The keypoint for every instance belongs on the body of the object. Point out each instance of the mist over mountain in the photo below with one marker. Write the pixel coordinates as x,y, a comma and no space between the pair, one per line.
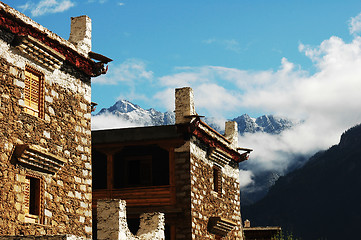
320,200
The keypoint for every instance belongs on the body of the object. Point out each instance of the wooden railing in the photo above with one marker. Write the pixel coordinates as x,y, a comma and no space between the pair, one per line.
139,196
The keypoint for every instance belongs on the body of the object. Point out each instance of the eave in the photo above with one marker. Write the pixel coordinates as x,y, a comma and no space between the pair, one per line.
14,22
213,139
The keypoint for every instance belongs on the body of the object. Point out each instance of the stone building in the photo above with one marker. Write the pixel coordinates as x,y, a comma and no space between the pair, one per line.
187,171
261,233
45,132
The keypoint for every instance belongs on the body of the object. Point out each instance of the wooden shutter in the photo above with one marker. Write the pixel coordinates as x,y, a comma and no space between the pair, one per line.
33,93
26,191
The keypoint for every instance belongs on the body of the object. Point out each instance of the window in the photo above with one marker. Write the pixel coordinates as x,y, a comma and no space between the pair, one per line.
99,161
32,201
34,93
217,179
141,166
138,171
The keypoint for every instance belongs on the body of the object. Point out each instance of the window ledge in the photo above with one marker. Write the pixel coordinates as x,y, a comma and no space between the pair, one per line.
35,117
215,194
30,218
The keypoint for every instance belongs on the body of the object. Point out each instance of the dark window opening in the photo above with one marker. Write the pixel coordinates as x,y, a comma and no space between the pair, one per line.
217,179
99,168
32,192
138,171
140,166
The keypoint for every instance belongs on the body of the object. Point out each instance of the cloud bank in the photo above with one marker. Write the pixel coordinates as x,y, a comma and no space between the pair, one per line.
109,121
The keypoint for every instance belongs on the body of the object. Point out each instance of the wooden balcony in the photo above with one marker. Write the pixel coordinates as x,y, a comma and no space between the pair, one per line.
139,196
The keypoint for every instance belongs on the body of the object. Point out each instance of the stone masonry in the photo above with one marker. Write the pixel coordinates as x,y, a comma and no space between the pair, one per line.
194,177
48,237
112,223
54,149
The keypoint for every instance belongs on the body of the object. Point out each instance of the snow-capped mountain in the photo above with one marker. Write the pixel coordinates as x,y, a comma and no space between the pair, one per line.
266,123
133,113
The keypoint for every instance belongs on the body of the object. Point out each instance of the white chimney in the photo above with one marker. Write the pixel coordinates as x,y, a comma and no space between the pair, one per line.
184,105
231,133
81,33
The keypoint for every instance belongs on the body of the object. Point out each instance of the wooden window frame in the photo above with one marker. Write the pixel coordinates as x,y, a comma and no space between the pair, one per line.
33,190
217,179
34,92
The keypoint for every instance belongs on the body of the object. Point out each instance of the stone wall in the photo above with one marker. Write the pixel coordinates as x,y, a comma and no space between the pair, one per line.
112,223
64,132
195,175
206,202
183,193
48,237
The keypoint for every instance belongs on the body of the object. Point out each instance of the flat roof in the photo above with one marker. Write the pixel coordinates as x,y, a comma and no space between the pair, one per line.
135,134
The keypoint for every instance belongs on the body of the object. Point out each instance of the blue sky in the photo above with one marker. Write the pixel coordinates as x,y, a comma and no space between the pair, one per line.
299,59
160,37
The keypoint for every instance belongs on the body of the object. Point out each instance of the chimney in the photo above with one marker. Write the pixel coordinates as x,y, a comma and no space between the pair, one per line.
81,33
184,105
231,133
247,223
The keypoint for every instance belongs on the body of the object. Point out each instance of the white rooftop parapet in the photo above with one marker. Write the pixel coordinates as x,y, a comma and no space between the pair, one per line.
81,33
112,222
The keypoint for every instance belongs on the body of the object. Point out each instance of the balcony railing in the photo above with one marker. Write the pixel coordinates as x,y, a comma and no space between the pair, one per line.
139,196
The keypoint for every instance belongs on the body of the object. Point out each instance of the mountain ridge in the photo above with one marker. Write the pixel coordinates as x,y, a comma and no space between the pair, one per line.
133,113
319,200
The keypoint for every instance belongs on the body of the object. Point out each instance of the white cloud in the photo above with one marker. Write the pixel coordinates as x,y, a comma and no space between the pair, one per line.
355,24
129,72
245,178
47,6
228,44
109,121
25,7
121,4
165,98
98,1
